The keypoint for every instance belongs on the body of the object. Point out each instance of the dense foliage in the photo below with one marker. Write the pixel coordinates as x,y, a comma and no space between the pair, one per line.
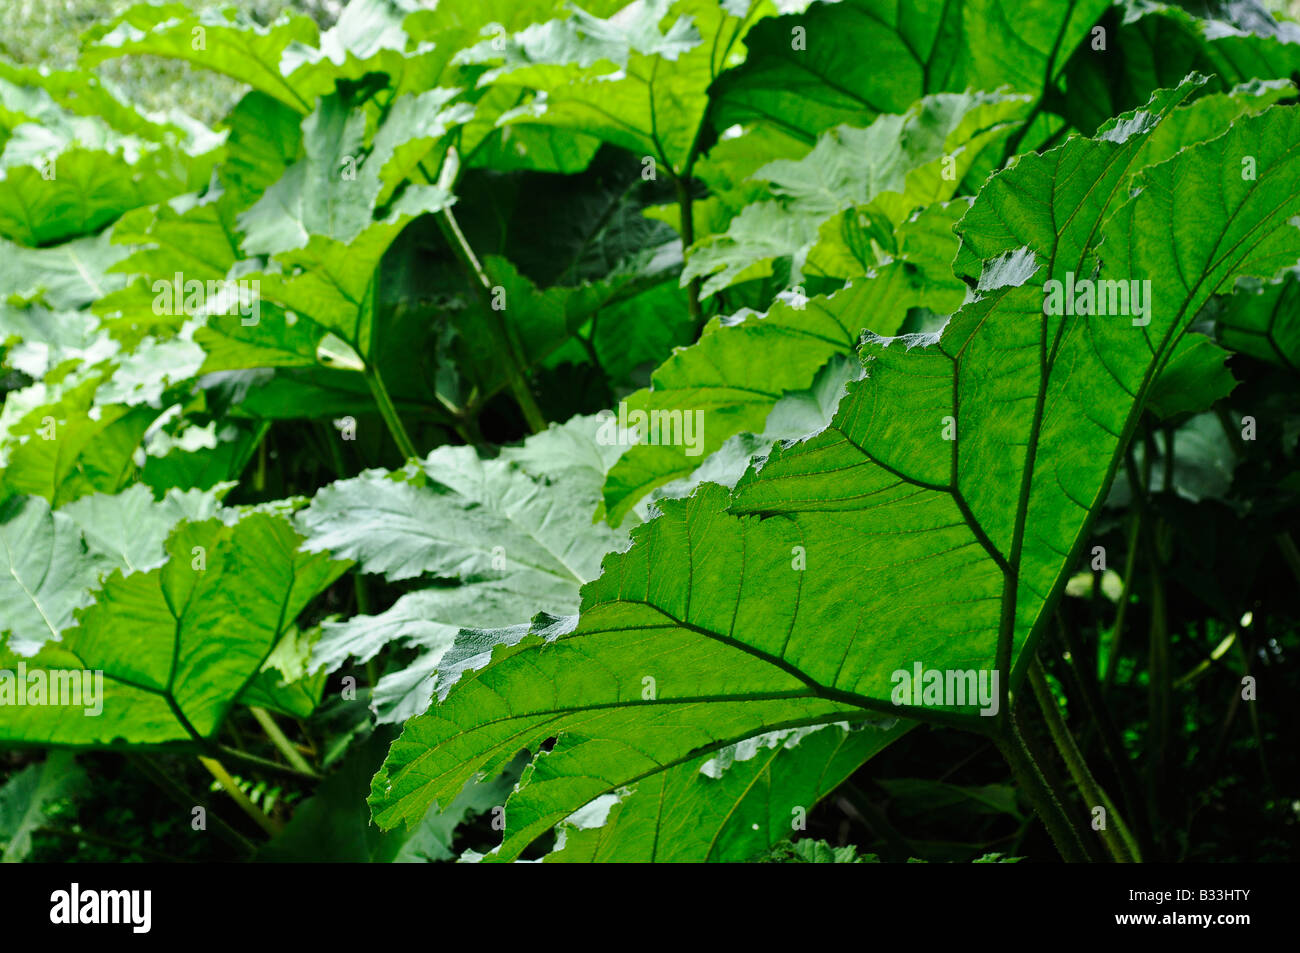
520,429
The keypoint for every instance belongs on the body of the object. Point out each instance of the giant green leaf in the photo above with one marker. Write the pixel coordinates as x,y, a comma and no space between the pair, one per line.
49,572
728,806
318,224
1155,44
289,60
56,558
264,139
1263,320
64,175
37,340
176,645
742,365
333,825
68,275
168,245
25,797
40,94
72,447
497,138
807,72
367,38
538,322
505,536
132,527
935,521
891,167
1195,376
77,191
222,41
638,79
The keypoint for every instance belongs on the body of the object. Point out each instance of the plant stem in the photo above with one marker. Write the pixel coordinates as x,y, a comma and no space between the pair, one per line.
1230,429
1121,609
330,438
1169,460
1204,665
259,475
1060,786
519,379
1254,724
264,764
1229,717
363,608
259,817
281,742
1112,743
260,430
362,593
1043,799
686,208
1159,686
1289,552
1160,690
188,801
388,411
1122,847
874,819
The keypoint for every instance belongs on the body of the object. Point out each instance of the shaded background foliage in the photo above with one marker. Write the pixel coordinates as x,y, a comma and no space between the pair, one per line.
1218,571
